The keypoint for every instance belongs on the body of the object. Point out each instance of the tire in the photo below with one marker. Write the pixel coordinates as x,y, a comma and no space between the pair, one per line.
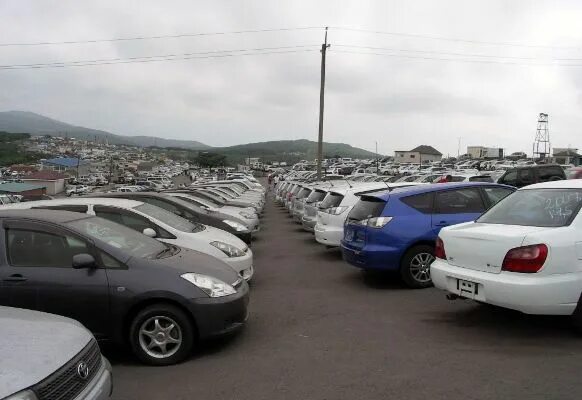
576,318
157,320
415,266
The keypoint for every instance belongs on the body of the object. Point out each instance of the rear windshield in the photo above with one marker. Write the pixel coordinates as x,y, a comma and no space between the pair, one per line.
367,207
536,207
331,200
316,195
303,193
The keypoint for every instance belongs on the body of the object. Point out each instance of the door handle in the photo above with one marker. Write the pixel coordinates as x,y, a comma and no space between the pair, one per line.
15,278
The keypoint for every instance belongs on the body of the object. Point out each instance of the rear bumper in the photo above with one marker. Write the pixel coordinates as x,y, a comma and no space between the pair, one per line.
223,315
529,293
328,235
368,257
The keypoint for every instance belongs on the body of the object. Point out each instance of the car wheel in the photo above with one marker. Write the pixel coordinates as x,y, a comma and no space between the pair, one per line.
161,334
415,266
576,317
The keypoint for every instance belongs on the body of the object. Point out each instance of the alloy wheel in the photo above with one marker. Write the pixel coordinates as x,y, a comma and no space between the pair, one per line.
160,336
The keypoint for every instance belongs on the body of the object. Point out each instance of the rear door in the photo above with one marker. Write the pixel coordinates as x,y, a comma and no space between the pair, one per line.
455,206
38,274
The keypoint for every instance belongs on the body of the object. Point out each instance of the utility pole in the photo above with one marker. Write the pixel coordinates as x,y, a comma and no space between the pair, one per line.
459,149
324,48
377,169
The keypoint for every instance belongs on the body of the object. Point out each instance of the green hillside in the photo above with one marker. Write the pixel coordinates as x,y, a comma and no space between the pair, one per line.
289,151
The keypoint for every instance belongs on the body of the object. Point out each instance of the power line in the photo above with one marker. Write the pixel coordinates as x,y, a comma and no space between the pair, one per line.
181,35
456,59
7,68
456,53
449,39
156,56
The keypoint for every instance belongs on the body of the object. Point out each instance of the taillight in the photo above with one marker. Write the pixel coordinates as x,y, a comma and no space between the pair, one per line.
526,259
439,249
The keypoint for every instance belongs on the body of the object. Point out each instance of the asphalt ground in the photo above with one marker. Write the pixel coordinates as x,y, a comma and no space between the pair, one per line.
320,329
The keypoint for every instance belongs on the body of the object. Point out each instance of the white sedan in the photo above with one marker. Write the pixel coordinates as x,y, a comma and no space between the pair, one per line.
525,253
160,224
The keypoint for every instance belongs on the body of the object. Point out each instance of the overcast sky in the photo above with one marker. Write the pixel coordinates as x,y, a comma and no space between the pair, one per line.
400,102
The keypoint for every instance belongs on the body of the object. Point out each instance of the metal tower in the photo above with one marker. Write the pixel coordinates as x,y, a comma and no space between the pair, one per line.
541,146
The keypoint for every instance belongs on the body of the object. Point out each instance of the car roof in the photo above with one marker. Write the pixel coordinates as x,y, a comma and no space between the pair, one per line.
107,201
435,187
522,166
58,217
562,184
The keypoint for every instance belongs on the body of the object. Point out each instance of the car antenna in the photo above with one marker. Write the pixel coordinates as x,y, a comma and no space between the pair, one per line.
331,183
348,182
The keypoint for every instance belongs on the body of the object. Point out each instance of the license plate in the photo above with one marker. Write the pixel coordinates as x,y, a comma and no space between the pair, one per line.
467,289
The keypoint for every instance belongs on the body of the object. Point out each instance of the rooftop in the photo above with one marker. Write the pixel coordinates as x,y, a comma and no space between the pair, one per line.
65,162
16,187
45,176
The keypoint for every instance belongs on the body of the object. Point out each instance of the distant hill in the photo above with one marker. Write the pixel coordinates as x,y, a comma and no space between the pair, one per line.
29,122
290,151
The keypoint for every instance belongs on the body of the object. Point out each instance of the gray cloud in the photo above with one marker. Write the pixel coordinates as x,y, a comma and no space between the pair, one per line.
399,102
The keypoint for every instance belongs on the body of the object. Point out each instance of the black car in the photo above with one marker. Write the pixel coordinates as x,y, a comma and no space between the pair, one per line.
122,285
530,174
186,210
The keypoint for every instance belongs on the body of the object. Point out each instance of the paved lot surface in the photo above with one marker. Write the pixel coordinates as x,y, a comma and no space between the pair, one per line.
319,330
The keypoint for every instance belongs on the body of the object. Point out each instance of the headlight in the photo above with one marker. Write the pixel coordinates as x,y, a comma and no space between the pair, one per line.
336,210
228,249
213,287
238,226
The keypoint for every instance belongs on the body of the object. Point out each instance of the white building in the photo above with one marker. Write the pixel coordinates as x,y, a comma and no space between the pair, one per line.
418,155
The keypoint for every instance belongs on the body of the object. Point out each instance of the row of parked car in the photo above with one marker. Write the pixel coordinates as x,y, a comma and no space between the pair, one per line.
519,249
156,272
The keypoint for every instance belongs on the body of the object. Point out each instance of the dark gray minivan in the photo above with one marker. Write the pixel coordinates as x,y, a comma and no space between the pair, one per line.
122,285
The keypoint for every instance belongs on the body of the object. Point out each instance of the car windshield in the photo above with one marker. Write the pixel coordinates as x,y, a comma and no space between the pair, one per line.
168,218
316,195
331,200
119,236
536,207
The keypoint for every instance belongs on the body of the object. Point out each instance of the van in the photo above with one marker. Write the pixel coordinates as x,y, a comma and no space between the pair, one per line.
526,175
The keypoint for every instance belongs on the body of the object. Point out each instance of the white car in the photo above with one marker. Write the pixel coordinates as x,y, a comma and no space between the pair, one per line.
78,189
335,207
160,224
525,253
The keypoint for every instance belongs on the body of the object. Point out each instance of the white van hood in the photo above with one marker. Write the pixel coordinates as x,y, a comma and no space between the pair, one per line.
34,345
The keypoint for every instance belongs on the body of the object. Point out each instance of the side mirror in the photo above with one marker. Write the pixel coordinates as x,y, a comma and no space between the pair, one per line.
149,232
84,260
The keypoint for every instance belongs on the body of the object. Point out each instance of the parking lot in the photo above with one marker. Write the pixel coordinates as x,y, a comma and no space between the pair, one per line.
320,329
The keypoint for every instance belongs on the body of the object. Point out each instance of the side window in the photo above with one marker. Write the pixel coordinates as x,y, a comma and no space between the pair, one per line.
72,208
459,201
131,220
162,204
550,174
510,178
109,262
495,194
526,176
50,250
420,202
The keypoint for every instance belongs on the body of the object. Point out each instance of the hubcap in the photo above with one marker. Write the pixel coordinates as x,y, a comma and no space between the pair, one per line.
160,336
420,267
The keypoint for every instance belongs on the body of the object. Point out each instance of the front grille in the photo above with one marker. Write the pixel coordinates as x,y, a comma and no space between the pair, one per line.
310,211
66,384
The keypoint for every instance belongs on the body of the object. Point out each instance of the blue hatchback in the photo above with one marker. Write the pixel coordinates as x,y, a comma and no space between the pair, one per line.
397,230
